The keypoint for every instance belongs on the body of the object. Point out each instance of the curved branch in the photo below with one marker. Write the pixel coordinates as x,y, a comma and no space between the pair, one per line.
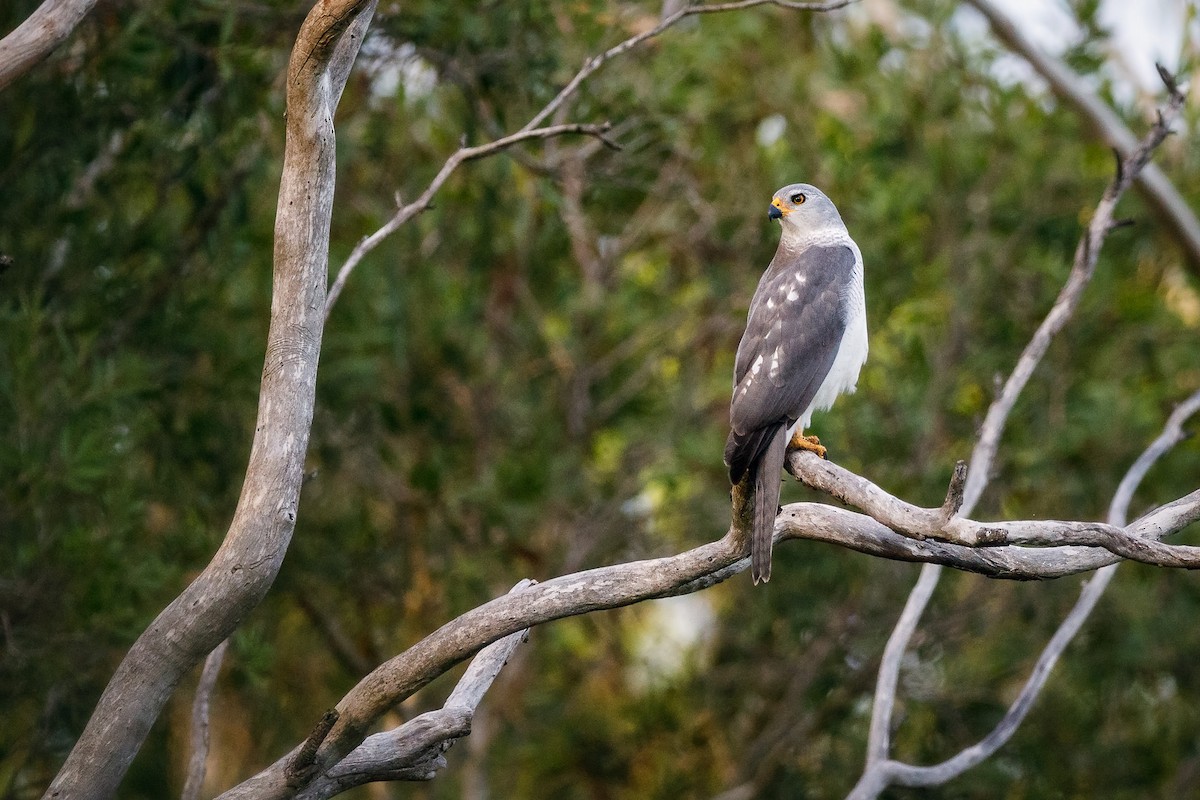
37,36
245,565
425,200
569,595
1087,253
624,584
1172,434
414,751
878,737
896,773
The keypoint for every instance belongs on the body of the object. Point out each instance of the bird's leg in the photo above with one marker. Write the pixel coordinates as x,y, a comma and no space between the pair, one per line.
811,443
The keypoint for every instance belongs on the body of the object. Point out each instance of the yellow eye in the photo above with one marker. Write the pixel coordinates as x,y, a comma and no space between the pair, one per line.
797,198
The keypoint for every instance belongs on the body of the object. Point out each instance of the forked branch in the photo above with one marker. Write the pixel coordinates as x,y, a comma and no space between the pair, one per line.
880,771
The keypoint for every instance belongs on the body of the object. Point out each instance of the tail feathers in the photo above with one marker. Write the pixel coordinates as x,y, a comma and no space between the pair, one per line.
743,450
766,504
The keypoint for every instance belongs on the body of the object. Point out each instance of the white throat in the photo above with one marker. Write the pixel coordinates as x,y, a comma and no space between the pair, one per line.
795,239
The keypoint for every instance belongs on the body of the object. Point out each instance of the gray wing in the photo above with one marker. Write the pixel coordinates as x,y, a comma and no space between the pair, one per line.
795,326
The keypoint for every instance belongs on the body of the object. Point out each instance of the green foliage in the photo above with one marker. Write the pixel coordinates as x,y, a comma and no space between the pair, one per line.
533,378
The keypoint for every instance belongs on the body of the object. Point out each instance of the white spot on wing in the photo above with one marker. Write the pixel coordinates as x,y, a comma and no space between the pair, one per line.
754,370
792,296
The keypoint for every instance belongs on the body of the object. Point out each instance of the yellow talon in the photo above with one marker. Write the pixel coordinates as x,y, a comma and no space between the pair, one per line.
810,443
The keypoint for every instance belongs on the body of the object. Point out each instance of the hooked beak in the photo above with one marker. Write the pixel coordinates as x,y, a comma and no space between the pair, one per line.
774,213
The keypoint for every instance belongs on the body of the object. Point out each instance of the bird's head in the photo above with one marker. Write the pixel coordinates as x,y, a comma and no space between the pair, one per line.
803,208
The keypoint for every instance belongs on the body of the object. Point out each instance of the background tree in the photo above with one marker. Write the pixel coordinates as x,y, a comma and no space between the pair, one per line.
532,378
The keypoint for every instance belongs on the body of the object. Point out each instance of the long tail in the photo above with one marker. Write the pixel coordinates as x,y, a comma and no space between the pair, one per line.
766,504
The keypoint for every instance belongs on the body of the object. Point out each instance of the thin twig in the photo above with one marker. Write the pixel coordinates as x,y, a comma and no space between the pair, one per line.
596,62
534,129
423,202
201,709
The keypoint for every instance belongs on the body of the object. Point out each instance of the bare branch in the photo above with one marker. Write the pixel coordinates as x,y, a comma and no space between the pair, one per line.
37,36
884,773
1086,255
932,523
201,706
579,593
962,496
596,62
425,200
246,564
878,745
534,129
900,516
486,666
1172,434
414,751
1153,183
693,570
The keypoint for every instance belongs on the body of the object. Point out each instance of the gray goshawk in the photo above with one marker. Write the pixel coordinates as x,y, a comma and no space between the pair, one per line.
805,342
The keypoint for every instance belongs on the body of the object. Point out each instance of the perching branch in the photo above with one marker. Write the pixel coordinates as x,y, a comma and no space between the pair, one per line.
1153,183
931,523
633,582
37,36
534,129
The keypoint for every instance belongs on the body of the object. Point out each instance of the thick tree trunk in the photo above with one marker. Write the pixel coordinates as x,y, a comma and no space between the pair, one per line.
247,562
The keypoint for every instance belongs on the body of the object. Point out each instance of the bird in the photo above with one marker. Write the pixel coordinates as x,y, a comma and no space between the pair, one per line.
804,345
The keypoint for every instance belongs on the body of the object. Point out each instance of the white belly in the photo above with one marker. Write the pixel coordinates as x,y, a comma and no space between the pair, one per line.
851,355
